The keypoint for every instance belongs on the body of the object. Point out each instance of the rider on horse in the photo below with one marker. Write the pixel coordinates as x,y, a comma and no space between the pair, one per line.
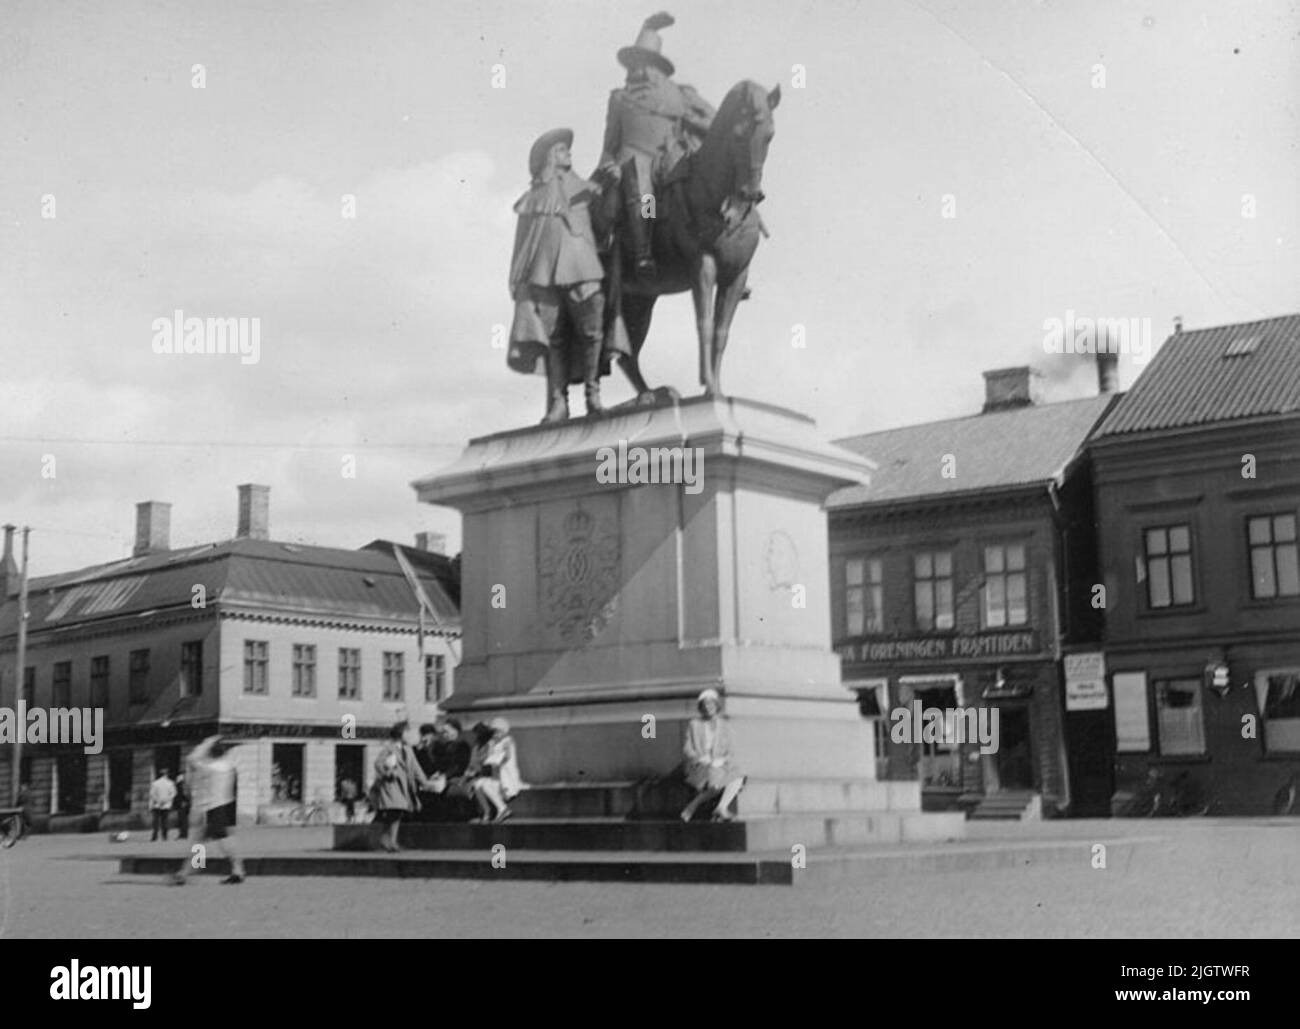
651,124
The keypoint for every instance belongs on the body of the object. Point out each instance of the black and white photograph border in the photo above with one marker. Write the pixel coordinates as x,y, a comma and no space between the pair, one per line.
764,469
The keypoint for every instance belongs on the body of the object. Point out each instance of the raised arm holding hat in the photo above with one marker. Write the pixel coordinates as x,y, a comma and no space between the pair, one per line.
652,122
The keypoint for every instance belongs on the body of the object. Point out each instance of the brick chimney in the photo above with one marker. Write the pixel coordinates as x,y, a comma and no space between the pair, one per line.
254,512
1006,388
9,573
153,523
432,542
1107,373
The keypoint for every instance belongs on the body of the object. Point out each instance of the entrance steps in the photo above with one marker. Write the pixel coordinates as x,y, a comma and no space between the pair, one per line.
1010,805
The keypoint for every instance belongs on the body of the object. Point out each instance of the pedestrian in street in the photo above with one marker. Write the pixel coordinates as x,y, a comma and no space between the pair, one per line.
212,778
182,807
399,779
348,794
162,794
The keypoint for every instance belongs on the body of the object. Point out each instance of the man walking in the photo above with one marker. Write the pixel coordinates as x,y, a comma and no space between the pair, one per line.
162,793
212,780
182,807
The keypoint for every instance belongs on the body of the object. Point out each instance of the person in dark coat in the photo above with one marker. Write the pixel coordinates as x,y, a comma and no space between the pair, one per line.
398,782
181,805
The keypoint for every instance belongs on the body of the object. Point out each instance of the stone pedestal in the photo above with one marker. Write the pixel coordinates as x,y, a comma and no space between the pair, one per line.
594,611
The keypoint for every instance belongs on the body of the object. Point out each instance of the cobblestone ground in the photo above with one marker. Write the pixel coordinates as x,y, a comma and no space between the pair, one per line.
1184,878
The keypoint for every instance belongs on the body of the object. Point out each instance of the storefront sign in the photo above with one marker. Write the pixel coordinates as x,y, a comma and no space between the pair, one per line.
940,648
1085,682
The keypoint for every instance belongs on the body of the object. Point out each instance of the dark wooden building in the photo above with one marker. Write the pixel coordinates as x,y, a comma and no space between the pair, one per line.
954,584
1197,476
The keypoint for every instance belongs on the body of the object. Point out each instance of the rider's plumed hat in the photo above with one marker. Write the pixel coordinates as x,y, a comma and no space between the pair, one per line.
537,155
648,45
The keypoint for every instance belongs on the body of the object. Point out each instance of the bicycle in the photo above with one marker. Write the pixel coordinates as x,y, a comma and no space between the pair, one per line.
1159,797
315,813
13,826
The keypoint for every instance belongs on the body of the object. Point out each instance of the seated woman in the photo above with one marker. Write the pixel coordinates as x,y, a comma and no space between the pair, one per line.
494,770
711,769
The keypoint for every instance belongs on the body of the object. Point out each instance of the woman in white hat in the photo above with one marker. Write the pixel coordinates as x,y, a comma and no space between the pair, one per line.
711,768
498,780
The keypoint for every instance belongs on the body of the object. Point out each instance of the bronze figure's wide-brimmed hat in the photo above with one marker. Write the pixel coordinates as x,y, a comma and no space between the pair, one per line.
648,45
537,155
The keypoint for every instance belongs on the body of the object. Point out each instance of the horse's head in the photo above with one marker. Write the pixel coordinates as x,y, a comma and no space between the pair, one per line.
745,122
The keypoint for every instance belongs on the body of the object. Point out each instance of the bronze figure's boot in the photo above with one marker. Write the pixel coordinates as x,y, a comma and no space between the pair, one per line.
637,229
591,376
557,386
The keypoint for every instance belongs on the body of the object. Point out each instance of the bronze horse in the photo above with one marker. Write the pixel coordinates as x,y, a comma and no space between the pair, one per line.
706,229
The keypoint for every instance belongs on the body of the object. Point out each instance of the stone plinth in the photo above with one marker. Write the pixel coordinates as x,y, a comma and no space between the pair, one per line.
589,606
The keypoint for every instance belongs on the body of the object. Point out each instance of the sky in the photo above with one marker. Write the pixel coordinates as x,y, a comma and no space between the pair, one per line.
946,177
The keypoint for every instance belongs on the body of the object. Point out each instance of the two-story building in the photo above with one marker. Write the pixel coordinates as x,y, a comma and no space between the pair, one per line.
309,654
951,579
1197,478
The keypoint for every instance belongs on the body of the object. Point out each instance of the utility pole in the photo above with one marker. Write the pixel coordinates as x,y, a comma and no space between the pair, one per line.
21,728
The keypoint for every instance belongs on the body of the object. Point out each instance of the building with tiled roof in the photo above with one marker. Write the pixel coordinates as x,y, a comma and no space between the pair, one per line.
957,583
1197,481
304,652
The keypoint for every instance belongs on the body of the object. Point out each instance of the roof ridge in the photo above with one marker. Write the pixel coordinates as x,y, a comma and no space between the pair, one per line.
981,415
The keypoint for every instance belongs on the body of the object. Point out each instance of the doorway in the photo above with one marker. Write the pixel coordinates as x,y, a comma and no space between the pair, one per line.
1014,762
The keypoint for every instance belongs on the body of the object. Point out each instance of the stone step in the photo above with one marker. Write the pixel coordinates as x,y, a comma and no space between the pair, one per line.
636,867
811,830
863,866
760,797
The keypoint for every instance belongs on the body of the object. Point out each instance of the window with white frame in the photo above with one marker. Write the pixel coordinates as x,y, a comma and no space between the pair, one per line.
932,587
863,597
1278,693
1274,566
1180,719
1168,553
1005,594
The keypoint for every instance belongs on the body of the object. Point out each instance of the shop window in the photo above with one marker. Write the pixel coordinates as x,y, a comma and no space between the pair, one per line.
99,682
1180,721
138,681
1168,553
394,675
71,771
1278,692
932,587
256,663
120,771
1132,715
349,673
304,670
863,596
1005,593
286,772
349,764
192,668
1274,567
